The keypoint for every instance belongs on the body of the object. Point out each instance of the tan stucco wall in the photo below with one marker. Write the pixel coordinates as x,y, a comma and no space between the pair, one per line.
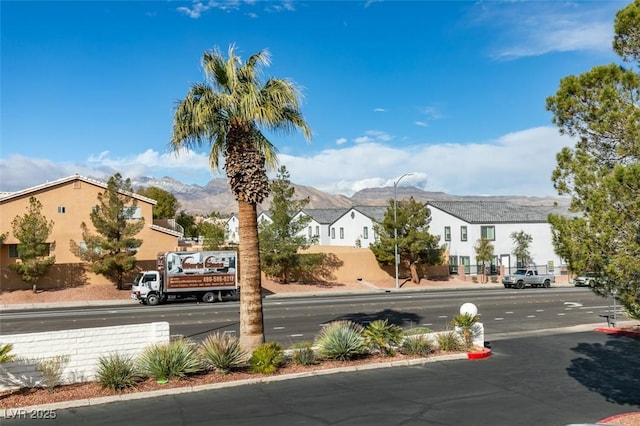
78,198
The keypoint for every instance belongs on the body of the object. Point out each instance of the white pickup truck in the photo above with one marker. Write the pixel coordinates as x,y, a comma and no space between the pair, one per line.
522,278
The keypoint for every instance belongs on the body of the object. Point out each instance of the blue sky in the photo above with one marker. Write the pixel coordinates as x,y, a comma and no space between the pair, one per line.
450,91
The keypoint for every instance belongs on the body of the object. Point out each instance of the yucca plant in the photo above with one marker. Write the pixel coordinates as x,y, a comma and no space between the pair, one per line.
221,352
417,345
117,372
302,353
382,336
465,323
450,341
5,355
168,361
341,340
266,358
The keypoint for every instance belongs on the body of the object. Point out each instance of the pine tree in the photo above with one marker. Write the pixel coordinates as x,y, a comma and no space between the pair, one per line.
111,252
33,230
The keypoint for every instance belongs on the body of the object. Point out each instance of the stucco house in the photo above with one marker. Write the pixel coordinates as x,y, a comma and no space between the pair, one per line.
319,225
68,202
460,224
354,227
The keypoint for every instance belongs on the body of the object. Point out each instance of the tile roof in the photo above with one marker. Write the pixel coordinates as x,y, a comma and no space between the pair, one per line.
324,216
497,211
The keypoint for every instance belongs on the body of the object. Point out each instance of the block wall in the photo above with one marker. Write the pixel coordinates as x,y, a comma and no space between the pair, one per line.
80,348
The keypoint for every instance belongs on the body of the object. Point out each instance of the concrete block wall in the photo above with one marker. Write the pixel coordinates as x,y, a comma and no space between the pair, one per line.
81,349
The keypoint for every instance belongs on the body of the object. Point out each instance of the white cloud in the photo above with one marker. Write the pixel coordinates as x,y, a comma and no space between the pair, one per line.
379,110
341,141
518,163
536,28
421,124
197,8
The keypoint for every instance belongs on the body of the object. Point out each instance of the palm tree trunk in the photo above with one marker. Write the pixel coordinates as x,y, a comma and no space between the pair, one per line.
251,318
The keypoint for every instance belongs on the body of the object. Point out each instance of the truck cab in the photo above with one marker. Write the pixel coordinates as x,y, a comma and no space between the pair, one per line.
147,287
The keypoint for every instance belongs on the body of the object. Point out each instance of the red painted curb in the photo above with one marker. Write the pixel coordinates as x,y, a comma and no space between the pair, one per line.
633,415
610,330
484,353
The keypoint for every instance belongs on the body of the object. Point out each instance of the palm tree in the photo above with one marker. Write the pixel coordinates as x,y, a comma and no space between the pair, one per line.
228,112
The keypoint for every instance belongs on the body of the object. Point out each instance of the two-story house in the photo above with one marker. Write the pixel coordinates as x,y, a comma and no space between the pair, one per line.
68,202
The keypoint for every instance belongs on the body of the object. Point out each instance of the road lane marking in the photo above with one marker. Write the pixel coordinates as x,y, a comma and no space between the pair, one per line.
278,328
498,319
531,316
539,310
573,304
509,312
296,335
560,314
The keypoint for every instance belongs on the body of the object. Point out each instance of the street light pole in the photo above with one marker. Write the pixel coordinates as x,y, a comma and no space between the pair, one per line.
395,227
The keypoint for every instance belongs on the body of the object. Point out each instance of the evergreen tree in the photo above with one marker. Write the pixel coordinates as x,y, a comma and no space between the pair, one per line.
213,232
188,223
33,230
111,252
415,244
601,109
280,240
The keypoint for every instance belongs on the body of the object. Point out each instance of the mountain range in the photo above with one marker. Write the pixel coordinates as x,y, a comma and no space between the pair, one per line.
216,196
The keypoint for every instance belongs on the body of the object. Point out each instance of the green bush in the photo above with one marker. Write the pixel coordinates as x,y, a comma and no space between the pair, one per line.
221,352
417,330
417,345
302,353
465,323
381,336
117,372
450,341
266,358
341,340
168,361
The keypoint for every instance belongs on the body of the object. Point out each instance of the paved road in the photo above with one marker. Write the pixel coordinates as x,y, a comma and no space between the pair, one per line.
504,312
544,380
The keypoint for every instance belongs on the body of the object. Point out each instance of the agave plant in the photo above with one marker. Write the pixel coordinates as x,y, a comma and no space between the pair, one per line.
341,340
382,336
168,361
221,352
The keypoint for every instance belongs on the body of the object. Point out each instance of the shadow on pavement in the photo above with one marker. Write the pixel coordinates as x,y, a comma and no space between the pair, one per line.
392,316
612,369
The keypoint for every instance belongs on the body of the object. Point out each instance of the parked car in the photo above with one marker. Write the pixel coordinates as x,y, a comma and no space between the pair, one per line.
585,280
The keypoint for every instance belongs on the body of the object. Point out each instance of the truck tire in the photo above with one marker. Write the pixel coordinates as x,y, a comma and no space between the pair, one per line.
209,297
153,299
547,283
520,284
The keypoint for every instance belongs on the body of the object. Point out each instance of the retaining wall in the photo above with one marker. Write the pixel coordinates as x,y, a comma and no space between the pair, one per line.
80,348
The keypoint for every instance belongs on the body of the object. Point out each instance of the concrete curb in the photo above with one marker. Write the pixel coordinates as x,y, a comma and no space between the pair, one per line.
11,412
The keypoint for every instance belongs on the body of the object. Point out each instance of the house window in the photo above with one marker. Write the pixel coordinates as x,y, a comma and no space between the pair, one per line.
365,233
62,209
488,232
132,213
447,233
342,233
317,231
333,233
463,233
453,264
310,232
13,251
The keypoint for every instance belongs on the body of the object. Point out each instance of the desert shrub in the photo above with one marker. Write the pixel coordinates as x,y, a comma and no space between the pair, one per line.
266,358
116,372
221,352
474,279
51,370
5,355
341,340
302,353
168,361
450,341
382,336
417,330
494,279
417,345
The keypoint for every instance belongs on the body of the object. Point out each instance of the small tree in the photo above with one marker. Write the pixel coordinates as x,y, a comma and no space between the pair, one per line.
167,203
521,243
213,232
280,240
188,223
112,251
33,230
415,244
484,255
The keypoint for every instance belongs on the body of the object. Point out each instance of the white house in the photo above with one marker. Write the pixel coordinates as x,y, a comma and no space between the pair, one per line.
354,227
231,229
460,224
320,224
